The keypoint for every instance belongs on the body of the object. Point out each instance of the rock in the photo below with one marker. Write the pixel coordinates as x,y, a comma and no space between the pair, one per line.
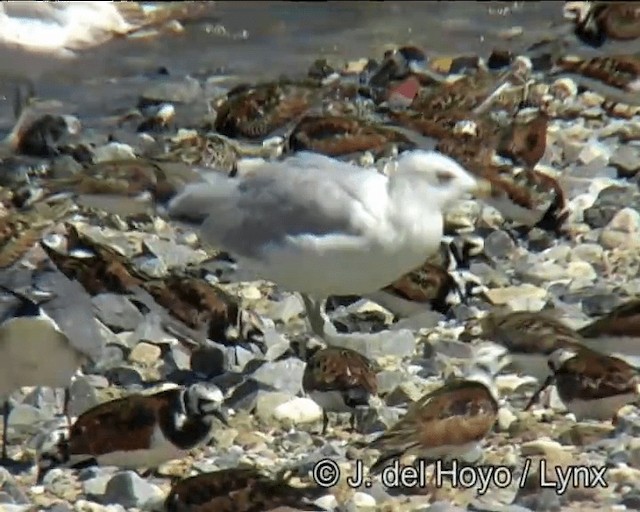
209,360
299,410
116,311
285,376
524,297
389,380
83,393
622,230
97,486
286,309
26,418
505,419
400,343
173,255
327,502
145,354
125,376
186,90
594,152
244,396
113,151
361,500
129,490
267,403
626,159
498,245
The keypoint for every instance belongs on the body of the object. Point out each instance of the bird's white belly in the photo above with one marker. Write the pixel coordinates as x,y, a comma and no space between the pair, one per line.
33,353
339,271
159,452
600,409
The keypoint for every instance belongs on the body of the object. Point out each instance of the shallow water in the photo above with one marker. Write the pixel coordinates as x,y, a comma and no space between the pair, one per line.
258,40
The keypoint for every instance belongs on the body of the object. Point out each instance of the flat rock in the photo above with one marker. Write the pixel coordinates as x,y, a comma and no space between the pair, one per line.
285,376
116,311
126,488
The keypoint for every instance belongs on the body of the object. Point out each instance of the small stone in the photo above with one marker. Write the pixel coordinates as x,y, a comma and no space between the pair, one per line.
505,419
327,502
525,297
113,151
361,500
124,376
626,159
283,376
83,393
286,309
250,293
145,354
398,343
498,245
623,230
267,402
297,411
594,151
129,490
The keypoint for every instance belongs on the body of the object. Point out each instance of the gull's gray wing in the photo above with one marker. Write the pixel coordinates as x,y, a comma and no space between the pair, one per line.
305,194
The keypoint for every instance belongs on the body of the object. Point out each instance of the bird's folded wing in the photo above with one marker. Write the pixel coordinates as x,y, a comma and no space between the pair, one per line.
305,195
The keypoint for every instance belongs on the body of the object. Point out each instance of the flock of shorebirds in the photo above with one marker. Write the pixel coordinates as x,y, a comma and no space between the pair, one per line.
318,225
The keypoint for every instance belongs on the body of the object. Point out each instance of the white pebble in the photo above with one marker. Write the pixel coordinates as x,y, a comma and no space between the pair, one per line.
298,410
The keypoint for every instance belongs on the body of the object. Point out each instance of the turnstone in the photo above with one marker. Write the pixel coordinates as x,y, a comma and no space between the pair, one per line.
323,227
238,490
616,333
595,22
137,431
447,423
341,135
256,111
591,384
530,338
339,380
44,338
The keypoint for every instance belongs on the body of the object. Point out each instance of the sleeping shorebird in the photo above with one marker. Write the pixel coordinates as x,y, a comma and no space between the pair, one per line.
46,338
137,431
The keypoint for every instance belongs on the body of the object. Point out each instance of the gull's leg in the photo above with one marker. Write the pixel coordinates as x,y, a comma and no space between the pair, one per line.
5,425
316,319
325,422
65,406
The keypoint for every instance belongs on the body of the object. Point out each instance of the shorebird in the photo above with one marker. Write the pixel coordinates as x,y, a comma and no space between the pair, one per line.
46,338
324,227
339,380
590,384
137,431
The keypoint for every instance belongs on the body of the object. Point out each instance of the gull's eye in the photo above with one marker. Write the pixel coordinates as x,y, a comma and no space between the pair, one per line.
444,177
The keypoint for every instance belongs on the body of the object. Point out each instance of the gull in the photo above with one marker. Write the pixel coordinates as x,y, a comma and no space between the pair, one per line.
323,227
46,333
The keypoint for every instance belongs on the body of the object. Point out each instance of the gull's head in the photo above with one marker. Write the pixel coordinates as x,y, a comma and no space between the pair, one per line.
445,179
560,356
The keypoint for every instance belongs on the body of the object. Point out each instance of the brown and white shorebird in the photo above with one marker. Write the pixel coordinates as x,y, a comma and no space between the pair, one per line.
590,384
530,338
595,22
616,333
339,380
444,424
137,431
239,490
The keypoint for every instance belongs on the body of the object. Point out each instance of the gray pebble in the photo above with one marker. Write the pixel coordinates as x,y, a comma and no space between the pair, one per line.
209,361
129,490
285,376
116,312
124,376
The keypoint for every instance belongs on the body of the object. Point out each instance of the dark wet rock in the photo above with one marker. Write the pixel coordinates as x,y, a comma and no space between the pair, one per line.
609,202
244,396
65,166
209,361
124,376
